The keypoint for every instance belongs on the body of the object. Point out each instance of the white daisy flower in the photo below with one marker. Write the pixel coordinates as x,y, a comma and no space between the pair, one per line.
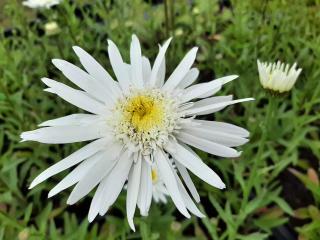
278,76
134,122
159,191
40,3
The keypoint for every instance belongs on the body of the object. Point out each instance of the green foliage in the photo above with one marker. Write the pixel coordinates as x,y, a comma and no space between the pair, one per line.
284,130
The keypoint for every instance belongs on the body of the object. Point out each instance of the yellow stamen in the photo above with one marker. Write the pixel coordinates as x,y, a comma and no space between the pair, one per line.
144,113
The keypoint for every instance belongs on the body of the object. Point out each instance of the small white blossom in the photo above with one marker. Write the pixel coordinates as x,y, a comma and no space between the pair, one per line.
159,191
278,76
51,28
41,3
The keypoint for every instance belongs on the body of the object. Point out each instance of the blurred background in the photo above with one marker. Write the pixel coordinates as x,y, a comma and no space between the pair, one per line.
272,189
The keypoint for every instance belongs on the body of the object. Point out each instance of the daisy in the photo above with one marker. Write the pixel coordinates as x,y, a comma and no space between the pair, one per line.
278,77
135,122
40,3
159,191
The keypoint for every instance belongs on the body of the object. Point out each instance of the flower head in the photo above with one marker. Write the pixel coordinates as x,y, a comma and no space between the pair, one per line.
278,77
135,124
159,190
40,3
51,28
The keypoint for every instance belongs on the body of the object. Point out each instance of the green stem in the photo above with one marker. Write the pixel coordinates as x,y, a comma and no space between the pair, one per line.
263,18
166,13
65,16
258,161
172,16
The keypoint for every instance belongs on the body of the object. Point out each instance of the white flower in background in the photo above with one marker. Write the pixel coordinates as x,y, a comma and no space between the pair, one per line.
134,122
51,28
278,76
159,191
40,3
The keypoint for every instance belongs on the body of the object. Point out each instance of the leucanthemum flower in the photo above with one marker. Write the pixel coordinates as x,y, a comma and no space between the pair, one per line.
41,3
133,123
159,191
278,77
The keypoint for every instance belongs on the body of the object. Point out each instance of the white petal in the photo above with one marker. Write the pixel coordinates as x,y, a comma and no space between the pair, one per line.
226,139
76,97
78,119
65,134
71,160
82,79
210,101
189,79
97,71
157,63
195,165
161,74
223,127
213,107
201,89
145,191
198,90
208,146
136,62
96,173
224,81
75,175
188,181
118,66
96,202
133,190
189,149
146,67
181,70
186,198
169,180
114,182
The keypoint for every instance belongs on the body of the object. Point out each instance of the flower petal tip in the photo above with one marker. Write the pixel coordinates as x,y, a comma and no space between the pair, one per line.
33,184
143,214
238,154
168,41
134,37
23,137
110,42
50,90
76,48
131,224
56,61
45,80
70,201
222,186
195,49
91,217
